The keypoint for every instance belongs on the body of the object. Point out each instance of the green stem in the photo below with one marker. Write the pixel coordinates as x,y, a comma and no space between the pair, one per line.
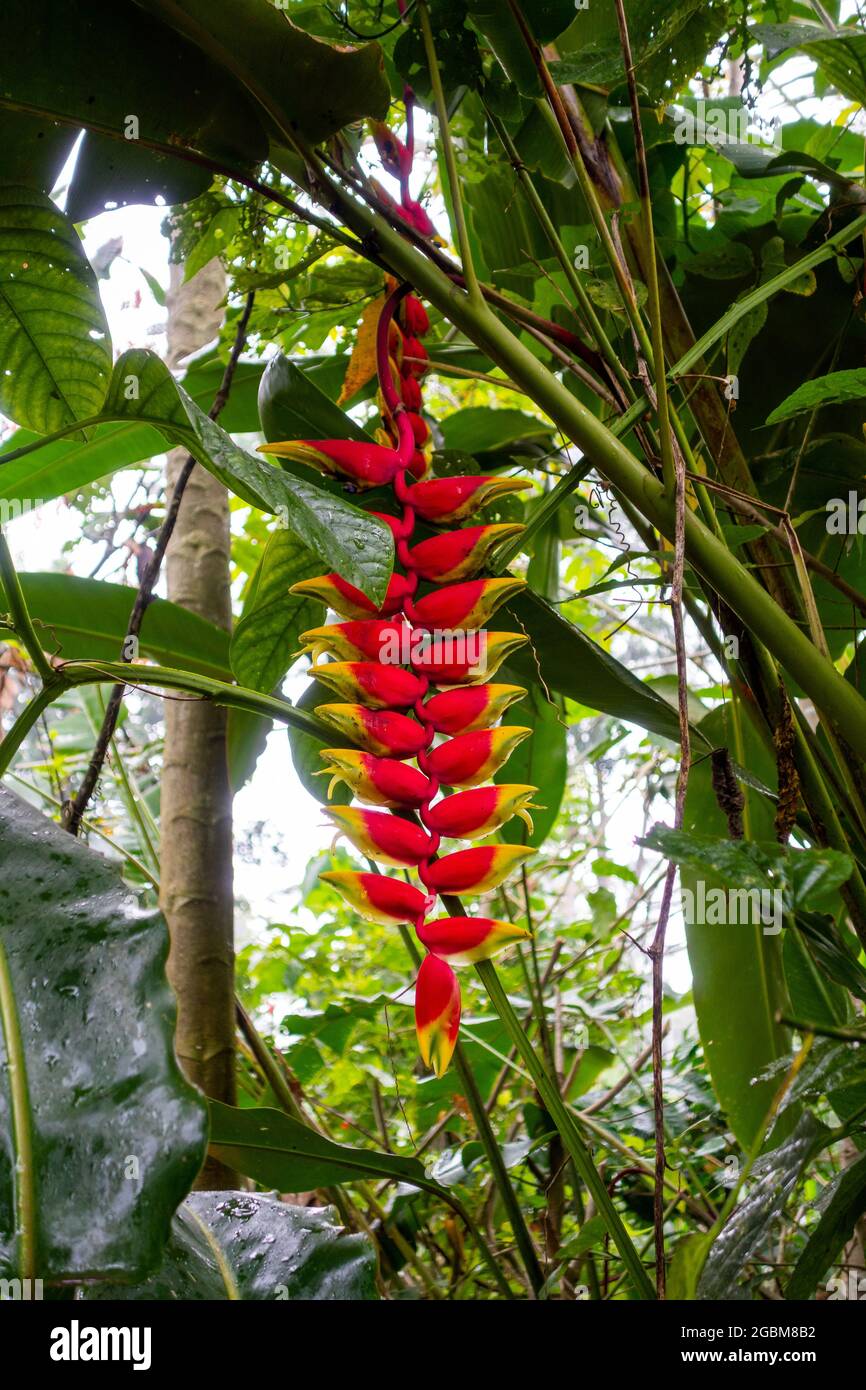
558,1112
220,692
744,306
21,619
472,287
491,1148
707,554
27,720
585,304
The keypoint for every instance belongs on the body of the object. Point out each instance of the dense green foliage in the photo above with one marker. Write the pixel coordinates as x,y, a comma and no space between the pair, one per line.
724,495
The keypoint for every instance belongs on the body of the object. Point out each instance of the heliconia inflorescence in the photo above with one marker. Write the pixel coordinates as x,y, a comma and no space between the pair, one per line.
418,667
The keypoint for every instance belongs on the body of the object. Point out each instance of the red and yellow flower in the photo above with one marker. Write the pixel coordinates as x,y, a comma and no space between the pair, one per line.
379,781
437,1013
472,815
382,837
477,870
386,661
465,940
470,759
377,897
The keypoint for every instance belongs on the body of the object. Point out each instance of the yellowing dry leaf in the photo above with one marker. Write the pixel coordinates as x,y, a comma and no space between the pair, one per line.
362,363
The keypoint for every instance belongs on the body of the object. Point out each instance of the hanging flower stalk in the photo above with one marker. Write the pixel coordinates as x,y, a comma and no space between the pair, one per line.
418,668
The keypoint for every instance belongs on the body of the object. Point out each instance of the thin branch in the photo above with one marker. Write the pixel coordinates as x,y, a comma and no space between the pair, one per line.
657,949
74,810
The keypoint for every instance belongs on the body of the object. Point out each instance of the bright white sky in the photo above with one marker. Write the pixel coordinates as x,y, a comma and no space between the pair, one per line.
274,795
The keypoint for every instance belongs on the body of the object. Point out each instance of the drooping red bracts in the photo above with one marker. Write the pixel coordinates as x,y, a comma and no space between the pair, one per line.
412,678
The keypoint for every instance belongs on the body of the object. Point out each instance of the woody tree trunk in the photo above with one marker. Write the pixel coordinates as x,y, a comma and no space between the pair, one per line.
196,808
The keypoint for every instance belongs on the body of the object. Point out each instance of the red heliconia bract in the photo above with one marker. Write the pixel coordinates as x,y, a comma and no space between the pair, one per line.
461,711
390,659
380,781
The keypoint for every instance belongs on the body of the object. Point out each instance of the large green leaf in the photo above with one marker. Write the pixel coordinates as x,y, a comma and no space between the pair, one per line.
280,1152
54,340
266,639
737,975
841,1208
572,664
88,619
65,465
478,428
774,1178
540,761
358,546
832,389
299,83
306,750
100,1135
292,406
93,61
245,1246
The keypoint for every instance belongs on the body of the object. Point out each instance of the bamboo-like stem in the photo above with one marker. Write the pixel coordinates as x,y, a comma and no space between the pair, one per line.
473,289
566,1126
707,554
669,470
491,1147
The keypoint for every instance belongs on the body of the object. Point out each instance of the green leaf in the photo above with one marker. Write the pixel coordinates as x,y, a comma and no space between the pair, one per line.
358,546
738,982
774,1178
280,1152
686,1265
266,639
54,339
805,879
268,631
64,466
252,1247
95,62
847,1202
812,995
89,618
478,429
300,83
728,260
540,761
831,389
570,663
305,749
92,1101
292,406
741,335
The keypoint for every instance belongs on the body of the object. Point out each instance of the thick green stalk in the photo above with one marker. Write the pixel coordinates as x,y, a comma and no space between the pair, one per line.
744,306
835,696
491,1147
469,275
571,1137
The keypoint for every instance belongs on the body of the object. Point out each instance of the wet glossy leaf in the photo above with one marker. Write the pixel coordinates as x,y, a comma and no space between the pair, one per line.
245,1246
100,1135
